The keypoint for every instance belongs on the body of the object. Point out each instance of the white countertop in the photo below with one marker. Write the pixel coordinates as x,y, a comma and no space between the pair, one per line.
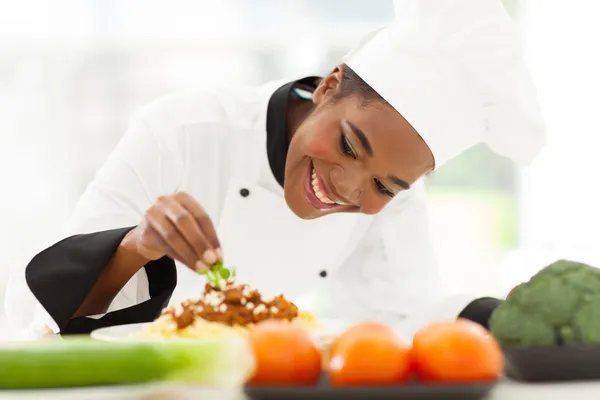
141,392
504,391
510,390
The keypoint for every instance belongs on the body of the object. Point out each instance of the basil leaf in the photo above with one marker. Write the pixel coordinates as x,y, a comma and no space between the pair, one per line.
217,273
209,276
216,266
225,273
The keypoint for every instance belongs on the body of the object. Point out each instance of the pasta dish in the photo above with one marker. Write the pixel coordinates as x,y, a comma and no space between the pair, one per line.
229,309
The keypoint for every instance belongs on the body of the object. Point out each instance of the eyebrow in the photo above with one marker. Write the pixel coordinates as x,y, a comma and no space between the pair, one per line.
400,182
367,145
362,138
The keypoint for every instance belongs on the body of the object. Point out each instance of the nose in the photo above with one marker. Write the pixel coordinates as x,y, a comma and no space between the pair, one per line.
347,183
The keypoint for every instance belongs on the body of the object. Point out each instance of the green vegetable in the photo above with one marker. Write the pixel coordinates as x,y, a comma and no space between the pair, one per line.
217,274
87,362
557,307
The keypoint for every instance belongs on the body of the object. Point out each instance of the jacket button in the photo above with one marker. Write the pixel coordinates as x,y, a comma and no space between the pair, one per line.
244,192
323,274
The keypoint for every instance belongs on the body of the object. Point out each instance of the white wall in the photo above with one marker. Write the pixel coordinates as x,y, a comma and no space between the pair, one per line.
560,193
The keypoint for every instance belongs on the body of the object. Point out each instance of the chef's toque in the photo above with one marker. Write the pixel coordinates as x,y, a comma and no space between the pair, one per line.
454,70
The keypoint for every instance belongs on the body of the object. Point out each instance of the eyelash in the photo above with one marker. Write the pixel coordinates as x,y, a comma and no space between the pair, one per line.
347,150
345,146
382,189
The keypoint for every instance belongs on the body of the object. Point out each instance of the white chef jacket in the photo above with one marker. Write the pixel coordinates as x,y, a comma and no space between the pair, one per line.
212,145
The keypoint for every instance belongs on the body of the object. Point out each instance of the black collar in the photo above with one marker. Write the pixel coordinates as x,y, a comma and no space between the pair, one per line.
277,137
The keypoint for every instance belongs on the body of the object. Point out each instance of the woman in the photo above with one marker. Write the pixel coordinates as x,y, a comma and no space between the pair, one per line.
311,188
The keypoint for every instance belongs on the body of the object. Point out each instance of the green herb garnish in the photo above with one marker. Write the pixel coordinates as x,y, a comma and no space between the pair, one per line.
217,274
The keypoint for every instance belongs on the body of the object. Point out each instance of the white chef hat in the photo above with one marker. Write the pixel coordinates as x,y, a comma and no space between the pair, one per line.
454,70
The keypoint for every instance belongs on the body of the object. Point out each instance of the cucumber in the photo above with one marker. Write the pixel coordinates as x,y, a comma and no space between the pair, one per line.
79,362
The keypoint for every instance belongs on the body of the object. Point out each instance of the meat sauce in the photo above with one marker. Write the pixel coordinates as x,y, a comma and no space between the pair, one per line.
233,305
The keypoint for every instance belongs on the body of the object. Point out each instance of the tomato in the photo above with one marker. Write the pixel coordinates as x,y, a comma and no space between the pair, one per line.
358,329
457,351
284,355
369,354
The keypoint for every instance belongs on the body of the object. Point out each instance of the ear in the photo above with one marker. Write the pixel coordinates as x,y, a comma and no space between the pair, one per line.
329,86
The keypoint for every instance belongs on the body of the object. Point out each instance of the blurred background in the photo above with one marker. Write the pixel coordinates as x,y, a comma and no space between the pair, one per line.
72,72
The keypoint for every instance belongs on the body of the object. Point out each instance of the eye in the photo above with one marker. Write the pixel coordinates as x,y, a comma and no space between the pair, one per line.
381,188
346,147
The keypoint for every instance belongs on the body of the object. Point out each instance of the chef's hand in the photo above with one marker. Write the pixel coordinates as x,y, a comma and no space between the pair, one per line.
177,226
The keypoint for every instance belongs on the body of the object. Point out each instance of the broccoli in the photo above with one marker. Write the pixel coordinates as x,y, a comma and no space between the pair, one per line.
558,306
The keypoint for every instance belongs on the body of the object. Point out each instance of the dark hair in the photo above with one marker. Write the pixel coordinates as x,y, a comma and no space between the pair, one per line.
353,85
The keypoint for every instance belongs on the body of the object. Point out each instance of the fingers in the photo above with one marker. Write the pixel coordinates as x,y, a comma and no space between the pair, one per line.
148,242
202,217
183,231
151,240
189,228
171,236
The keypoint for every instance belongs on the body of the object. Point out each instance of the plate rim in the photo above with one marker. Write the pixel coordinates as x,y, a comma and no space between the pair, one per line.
415,389
100,333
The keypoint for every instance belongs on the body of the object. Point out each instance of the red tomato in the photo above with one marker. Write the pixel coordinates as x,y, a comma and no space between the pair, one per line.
457,351
284,354
357,330
369,354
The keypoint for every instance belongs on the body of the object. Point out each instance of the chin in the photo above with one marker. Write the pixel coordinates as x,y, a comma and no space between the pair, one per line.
302,209
299,206
301,198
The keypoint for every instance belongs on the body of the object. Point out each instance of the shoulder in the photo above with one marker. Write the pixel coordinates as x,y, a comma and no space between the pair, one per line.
200,105
235,106
202,114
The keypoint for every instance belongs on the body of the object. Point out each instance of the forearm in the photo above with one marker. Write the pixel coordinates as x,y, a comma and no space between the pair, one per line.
123,265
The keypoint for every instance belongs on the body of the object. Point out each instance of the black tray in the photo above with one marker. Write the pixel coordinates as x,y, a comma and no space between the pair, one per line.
409,391
545,364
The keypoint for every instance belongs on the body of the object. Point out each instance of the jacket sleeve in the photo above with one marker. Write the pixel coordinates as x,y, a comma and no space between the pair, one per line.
142,167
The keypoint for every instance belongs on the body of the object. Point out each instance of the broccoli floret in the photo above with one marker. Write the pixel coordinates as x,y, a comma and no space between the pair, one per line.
509,323
587,320
558,306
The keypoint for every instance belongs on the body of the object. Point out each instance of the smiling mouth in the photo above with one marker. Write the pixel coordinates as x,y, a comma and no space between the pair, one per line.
316,193
317,188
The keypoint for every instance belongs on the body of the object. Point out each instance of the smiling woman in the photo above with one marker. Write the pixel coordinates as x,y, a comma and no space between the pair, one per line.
351,151
250,172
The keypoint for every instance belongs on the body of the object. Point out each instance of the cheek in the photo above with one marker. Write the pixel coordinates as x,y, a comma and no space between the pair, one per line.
320,144
374,205
319,149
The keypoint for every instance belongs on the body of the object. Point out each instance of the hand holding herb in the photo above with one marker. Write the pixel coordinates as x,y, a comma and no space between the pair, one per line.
176,226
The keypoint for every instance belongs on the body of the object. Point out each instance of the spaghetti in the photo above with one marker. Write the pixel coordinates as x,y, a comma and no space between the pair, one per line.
225,311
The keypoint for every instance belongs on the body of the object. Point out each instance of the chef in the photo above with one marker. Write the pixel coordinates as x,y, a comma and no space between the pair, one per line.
311,187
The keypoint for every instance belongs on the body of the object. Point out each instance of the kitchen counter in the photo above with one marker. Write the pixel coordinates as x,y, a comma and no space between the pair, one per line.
510,390
507,390
141,392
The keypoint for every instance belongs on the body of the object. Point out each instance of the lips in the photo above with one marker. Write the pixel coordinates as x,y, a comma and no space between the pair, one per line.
318,188
316,192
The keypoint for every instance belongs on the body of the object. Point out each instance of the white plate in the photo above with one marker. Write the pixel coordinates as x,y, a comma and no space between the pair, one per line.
123,333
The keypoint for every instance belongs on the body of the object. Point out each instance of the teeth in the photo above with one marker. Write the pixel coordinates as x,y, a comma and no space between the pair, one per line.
317,190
